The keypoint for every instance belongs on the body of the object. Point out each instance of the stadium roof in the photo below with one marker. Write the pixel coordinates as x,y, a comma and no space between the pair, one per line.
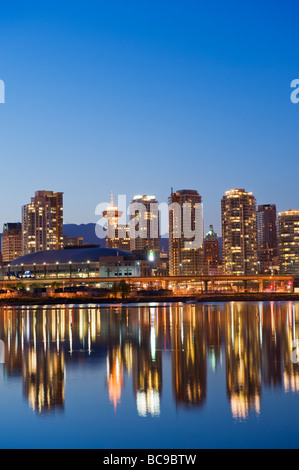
65,256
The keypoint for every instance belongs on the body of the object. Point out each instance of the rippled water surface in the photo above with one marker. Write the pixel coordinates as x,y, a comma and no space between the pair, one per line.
150,376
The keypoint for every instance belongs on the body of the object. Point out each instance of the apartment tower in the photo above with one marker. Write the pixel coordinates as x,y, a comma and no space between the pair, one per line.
239,232
267,249
185,233
288,236
42,222
11,243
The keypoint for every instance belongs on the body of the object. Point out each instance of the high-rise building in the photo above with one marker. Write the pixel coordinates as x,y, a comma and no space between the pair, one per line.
144,225
185,233
11,243
239,232
42,222
288,235
267,249
211,248
212,262
117,235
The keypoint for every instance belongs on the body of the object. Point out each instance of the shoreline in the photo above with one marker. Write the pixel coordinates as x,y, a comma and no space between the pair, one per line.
197,299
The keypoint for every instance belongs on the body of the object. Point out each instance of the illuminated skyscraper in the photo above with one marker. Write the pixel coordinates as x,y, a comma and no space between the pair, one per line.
11,243
266,237
117,235
288,229
185,233
144,225
239,232
42,222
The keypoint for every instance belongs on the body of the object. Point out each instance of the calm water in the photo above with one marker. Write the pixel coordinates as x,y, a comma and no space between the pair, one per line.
150,376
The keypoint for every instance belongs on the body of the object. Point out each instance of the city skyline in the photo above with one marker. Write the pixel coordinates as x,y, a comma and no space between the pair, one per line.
171,95
129,199
251,237
149,227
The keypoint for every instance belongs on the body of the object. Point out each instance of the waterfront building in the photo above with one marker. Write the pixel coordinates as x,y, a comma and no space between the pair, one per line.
144,225
288,235
267,246
11,243
186,255
239,232
42,222
82,262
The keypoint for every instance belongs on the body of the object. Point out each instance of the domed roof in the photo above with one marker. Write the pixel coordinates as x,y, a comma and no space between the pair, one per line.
211,235
76,255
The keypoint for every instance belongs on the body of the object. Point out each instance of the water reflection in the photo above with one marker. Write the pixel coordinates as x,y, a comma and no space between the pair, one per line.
252,342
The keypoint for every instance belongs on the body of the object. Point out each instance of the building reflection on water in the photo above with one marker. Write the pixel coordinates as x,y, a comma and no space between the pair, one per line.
252,341
189,363
243,359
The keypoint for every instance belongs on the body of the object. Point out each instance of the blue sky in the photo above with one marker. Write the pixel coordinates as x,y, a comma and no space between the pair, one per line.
141,96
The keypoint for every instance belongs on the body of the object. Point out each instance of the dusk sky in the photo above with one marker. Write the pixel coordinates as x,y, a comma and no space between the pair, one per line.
141,96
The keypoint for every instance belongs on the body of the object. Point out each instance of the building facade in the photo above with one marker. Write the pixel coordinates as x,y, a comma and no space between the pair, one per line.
212,253
267,245
186,255
144,225
288,236
81,262
72,241
122,238
11,243
42,222
239,232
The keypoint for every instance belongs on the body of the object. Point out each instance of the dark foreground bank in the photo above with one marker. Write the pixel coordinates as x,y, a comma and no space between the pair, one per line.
212,297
